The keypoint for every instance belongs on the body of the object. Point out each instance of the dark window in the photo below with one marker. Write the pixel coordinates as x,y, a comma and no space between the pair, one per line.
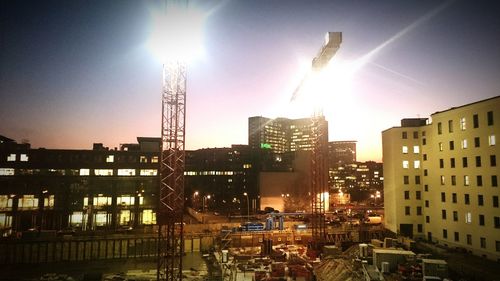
407,195
479,180
455,216
475,120
457,236
495,201
406,179
497,246
426,187
420,229
441,163
407,210
464,162
476,142
452,162
496,222
415,135
469,239
425,172
494,181
427,203
443,214
478,161
481,219
490,118
453,180
419,210
483,242
452,145
445,233
427,219
466,199
454,197
424,141
425,157
480,200
418,195
493,160
404,135
417,179
450,126
440,129
443,197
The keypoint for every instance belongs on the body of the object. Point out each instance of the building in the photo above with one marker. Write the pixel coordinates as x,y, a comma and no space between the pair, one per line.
100,189
341,152
283,135
359,179
441,178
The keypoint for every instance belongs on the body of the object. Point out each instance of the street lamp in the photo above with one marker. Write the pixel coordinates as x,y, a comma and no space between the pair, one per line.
248,206
205,201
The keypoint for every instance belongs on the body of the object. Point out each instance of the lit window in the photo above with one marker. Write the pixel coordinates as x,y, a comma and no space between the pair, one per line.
416,164
23,158
28,202
76,219
110,159
143,159
103,172
466,180
84,172
247,166
405,149
464,143
148,172
125,200
154,159
101,218
416,149
148,217
102,201
442,180
491,140
468,217
124,217
406,164
6,202
11,158
48,201
463,124
6,171
440,146
126,172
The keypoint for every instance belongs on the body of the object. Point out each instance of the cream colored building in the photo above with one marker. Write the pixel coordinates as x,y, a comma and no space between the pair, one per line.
441,178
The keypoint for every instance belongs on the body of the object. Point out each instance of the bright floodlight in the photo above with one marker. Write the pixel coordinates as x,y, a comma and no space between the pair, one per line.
177,33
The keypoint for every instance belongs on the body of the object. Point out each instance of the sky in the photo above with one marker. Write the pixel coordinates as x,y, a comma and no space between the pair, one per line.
73,73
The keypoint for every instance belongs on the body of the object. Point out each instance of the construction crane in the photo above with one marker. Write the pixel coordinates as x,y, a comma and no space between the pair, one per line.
319,150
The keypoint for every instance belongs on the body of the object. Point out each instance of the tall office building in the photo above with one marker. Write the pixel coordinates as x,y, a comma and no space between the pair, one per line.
441,178
341,152
282,135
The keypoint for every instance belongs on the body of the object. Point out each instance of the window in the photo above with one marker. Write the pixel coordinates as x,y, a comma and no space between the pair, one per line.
11,158
420,229
456,236
475,120
442,180
469,239
463,124
404,135
143,159
407,210
126,172
416,164
464,143
454,197
427,203
493,160
455,216
418,195
466,199
415,135
154,159
453,180
445,233
424,141
417,179
148,172
477,142
490,118
84,172
407,195
406,164
464,162
496,222
495,201
23,158
426,187
406,179
416,149
110,159
443,214
441,163
443,197
481,219
425,172
491,140
468,217
427,219
103,172
479,180
440,146
478,161
405,149
440,128
480,200
452,162
483,242
7,171
494,180
450,126
452,145
466,180
419,210
425,157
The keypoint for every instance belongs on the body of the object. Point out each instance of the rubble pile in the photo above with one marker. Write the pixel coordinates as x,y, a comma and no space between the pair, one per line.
336,270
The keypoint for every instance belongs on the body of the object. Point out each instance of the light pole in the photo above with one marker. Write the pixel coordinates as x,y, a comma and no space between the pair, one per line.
205,198
248,206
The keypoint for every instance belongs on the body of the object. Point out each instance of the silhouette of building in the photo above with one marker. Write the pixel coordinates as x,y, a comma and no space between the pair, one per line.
341,152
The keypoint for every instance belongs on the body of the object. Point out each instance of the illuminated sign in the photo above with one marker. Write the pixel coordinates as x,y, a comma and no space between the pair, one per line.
265,146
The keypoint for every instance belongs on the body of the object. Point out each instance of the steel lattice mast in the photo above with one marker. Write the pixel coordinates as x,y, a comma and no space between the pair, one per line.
171,196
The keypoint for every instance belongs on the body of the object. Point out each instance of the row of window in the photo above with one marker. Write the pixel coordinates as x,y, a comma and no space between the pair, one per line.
109,158
467,181
468,240
480,199
463,123
84,172
464,143
465,162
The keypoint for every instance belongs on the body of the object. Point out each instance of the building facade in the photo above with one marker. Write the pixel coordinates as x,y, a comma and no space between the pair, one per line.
441,178
341,152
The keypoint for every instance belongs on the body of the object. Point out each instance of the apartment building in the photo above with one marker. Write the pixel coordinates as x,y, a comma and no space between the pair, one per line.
441,178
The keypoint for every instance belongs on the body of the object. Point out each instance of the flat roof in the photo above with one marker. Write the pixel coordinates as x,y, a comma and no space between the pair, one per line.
393,251
435,261
452,108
